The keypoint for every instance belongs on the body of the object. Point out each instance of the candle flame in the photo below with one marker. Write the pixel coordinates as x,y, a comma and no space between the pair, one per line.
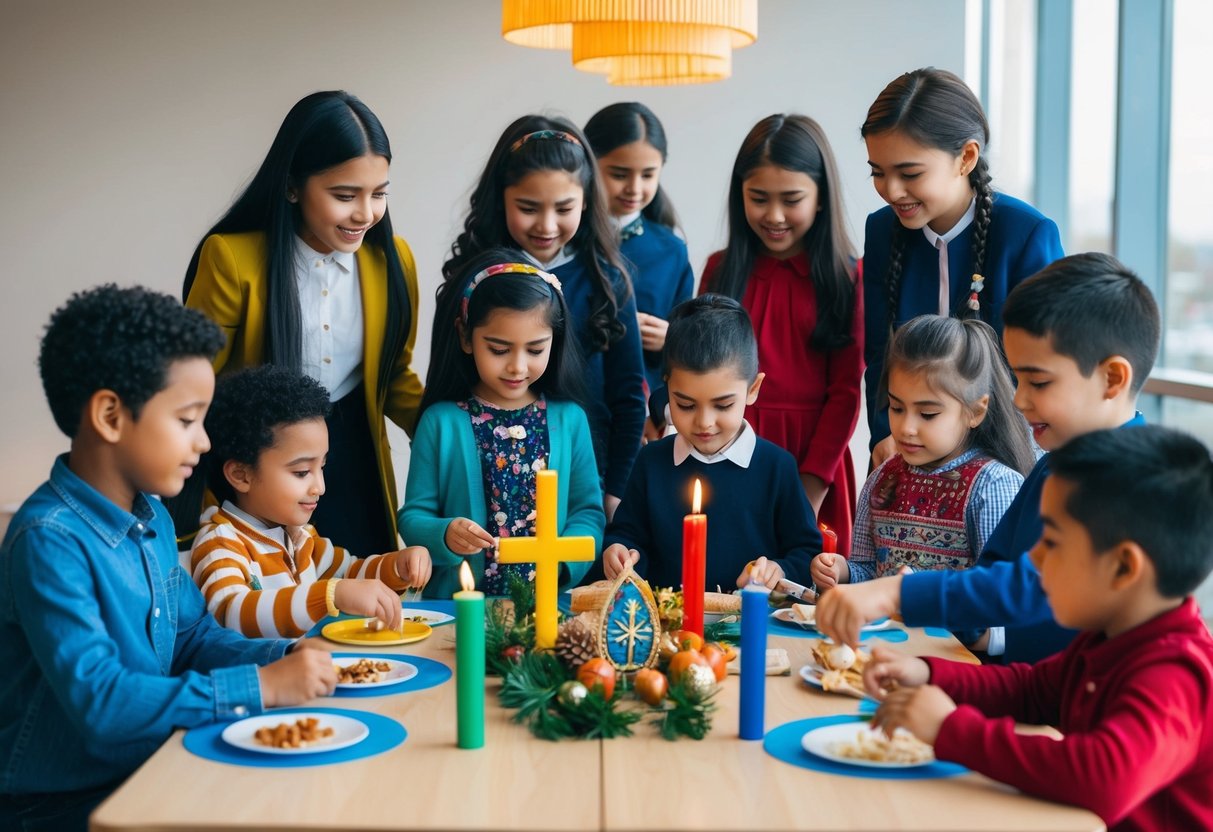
465,577
698,499
823,527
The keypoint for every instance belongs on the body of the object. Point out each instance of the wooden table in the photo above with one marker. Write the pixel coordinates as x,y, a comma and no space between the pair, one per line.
519,782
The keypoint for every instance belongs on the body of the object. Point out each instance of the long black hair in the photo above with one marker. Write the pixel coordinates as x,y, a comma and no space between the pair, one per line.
961,358
596,239
935,108
452,375
795,143
322,131
627,122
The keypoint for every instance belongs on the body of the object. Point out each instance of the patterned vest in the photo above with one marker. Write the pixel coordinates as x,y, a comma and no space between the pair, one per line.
918,519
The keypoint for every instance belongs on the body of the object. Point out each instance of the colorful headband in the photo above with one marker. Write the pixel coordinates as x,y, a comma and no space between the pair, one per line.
545,134
974,288
503,268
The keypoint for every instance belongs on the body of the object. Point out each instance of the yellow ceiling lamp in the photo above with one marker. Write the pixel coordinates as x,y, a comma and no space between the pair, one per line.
638,42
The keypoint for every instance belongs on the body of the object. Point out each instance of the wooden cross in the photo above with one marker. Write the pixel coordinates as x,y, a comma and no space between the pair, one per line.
546,550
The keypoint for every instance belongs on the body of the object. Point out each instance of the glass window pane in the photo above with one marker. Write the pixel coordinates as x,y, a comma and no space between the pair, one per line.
1197,419
1092,125
1011,108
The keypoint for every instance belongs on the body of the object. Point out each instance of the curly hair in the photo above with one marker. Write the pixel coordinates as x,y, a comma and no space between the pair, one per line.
110,338
247,408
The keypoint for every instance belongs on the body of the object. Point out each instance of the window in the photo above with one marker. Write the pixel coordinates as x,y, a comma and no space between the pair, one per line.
1092,155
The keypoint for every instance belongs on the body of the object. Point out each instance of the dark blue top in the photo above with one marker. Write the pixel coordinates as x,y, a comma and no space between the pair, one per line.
1003,589
754,511
614,379
1021,242
661,277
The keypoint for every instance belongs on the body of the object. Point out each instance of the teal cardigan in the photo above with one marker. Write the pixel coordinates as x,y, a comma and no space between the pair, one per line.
446,481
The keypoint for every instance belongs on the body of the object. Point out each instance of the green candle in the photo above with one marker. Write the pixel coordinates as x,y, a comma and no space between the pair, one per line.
469,661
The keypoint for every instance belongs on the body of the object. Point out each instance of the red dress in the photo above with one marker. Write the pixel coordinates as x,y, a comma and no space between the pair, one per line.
809,401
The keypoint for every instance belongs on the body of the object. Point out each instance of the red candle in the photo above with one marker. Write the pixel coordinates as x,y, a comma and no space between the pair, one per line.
694,564
829,538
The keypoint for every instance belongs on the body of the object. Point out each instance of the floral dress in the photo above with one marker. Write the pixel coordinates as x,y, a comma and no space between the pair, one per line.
512,445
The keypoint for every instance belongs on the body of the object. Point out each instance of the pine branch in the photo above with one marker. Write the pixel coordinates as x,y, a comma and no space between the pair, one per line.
688,714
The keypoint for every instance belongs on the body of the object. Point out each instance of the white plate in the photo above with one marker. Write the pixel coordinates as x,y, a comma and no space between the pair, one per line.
431,617
811,673
347,731
821,741
399,672
789,616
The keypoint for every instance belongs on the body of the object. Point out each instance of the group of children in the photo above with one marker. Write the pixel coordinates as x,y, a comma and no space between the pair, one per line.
565,304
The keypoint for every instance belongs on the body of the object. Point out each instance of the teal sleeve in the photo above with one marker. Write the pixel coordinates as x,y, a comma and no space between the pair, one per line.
423,517
584,514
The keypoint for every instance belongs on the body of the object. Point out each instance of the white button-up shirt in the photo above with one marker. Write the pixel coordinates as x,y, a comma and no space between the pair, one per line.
330,304
940,241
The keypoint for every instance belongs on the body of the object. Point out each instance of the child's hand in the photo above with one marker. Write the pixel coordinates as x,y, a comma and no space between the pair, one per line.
762,571
652,331
921,711
616,558
370,597
828,570
889,670
843,610
464,537
296,678
413,566
884,449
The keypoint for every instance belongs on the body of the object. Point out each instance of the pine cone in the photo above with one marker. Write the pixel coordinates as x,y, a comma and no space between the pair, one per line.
575,640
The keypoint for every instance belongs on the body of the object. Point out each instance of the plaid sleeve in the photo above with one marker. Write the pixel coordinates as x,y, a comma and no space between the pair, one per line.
993,491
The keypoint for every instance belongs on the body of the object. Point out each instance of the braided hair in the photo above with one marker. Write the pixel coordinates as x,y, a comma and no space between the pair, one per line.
936,109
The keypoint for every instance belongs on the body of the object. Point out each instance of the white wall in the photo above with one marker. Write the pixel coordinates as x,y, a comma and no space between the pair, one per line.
127,126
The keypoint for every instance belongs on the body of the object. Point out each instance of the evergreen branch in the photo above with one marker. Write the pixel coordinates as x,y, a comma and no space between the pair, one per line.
688,714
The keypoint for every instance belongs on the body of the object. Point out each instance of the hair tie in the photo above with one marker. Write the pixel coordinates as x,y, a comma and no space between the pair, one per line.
540,135
975,288
503,268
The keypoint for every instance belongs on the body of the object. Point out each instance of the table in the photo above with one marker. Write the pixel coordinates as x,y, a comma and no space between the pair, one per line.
519,782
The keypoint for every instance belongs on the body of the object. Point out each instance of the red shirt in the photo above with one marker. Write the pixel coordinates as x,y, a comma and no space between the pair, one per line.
1133,709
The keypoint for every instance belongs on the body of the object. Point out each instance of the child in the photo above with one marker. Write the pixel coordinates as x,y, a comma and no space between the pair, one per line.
539,193
500,404
630,145
262,568
1081,338
1128,519
926,135
755,505
107,646
286,275
789,263
962,451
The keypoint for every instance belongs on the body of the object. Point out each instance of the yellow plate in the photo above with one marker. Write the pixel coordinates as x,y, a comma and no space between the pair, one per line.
356,631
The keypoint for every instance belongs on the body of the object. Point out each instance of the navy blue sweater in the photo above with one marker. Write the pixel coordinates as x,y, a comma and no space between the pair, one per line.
754,511
661,277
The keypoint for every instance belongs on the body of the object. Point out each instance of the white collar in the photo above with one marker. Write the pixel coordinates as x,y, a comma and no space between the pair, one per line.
740,451
567,255
955,231
625,220
274,533
343,259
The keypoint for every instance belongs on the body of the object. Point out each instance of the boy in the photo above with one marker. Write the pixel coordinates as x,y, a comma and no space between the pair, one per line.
107,646
752,493
1081,337
262,569
1128,524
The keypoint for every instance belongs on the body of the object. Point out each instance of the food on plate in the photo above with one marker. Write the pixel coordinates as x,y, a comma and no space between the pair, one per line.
286,735
361,672
806,613
842,667
877,747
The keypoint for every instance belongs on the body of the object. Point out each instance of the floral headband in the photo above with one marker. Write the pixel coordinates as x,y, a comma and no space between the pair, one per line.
503,268
545,134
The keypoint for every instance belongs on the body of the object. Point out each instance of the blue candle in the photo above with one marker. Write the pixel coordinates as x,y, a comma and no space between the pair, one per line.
753,662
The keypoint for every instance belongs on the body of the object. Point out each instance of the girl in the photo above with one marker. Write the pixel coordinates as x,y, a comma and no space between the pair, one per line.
286,274
962,451
539,193
926,136
789,262
500,404
630,145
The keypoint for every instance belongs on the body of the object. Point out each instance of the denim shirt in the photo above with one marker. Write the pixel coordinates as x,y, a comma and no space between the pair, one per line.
105,643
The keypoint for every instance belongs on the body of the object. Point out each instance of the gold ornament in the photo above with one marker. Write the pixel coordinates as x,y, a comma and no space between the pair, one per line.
629,631
699,681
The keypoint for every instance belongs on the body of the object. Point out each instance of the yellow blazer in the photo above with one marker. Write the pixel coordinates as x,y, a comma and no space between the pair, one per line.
230,289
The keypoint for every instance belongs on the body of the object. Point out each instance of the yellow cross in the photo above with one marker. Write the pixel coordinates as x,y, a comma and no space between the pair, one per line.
546,550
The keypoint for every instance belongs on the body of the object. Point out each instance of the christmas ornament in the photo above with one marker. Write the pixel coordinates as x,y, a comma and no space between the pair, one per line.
651,686
629,629
572,693
598,674
699,681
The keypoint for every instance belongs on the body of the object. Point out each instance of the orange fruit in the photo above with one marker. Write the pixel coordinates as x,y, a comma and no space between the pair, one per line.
598,673
716,660
688,639
651,685
682,660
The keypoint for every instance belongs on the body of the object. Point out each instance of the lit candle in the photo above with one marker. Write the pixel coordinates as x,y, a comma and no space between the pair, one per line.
829,538
694,563
753,662
469,660
546,550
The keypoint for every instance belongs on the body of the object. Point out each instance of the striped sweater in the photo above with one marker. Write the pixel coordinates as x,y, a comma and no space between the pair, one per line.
251,583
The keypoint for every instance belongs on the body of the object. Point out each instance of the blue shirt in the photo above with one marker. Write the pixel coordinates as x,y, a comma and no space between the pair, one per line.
105,641
1003,589
661,277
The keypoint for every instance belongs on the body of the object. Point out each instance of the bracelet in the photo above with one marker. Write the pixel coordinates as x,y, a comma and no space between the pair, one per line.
330,594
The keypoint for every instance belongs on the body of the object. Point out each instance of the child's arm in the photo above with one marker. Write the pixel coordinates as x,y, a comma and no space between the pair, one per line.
623,388
422,519
861,565
584,514
993,494
404,392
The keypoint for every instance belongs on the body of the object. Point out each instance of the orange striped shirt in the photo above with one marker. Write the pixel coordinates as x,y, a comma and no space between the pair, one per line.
252,583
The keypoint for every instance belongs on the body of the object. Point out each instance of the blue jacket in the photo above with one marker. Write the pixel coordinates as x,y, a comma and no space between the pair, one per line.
446,481
105,642
1021,242
661,277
